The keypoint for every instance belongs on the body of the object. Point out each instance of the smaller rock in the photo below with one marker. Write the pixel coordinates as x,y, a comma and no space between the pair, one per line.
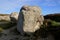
4,17
14,17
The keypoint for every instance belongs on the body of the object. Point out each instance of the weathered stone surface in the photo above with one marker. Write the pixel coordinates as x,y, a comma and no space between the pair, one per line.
30,19
14,16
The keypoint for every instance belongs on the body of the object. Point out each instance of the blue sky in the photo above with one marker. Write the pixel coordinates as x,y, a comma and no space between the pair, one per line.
47,6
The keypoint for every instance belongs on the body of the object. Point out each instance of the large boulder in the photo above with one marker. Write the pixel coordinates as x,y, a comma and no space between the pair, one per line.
14,17
29,19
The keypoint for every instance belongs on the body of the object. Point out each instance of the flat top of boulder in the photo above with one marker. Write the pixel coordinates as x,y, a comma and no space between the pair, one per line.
14,13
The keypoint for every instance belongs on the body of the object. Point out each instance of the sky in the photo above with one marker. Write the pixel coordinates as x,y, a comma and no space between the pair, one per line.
47,6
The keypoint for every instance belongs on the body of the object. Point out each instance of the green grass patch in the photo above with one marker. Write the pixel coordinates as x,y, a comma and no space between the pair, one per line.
54,23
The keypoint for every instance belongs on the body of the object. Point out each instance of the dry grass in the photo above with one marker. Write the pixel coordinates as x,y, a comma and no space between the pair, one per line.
4,14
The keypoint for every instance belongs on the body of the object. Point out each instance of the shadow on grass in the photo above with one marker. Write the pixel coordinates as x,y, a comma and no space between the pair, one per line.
7,25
